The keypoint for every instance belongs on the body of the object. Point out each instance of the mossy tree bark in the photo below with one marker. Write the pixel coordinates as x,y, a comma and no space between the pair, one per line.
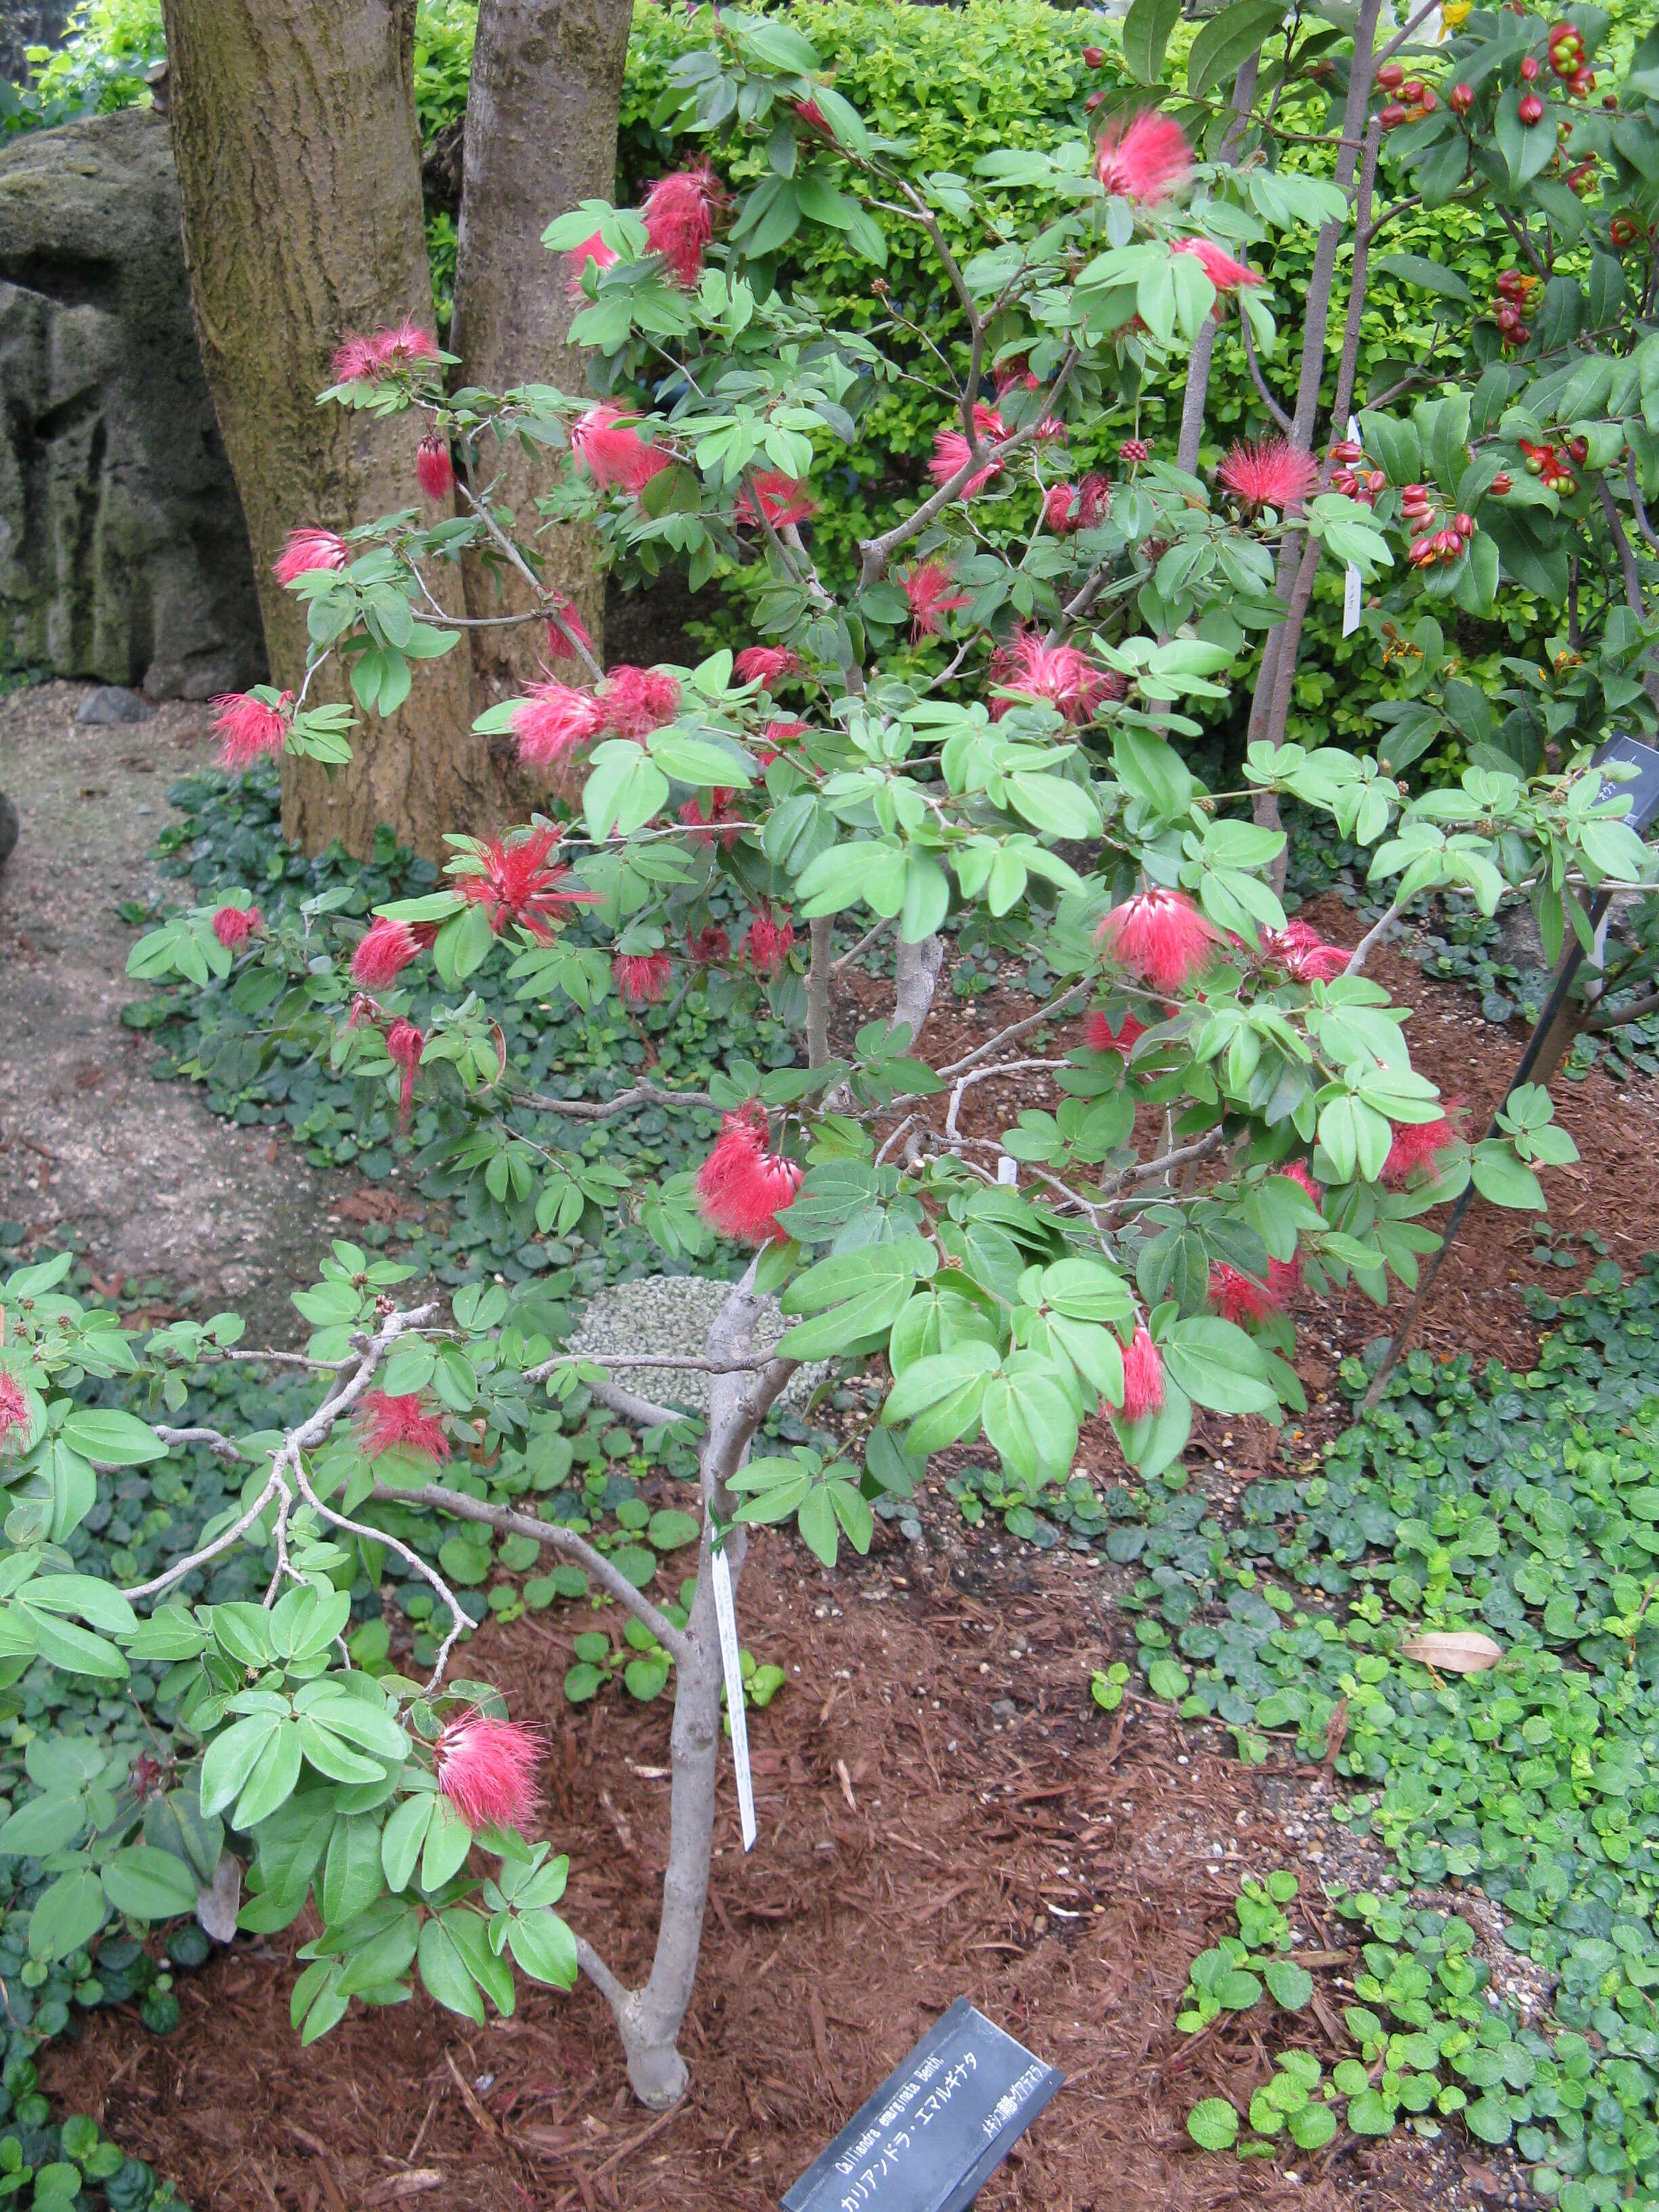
299,168
541,137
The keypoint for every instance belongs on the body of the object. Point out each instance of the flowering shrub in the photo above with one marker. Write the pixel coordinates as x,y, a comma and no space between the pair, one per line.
979,737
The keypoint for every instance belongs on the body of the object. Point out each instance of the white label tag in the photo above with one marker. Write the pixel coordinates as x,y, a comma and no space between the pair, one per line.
1350,585
732,1666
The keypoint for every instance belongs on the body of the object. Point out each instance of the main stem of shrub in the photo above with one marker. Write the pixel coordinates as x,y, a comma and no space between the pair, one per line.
648,2018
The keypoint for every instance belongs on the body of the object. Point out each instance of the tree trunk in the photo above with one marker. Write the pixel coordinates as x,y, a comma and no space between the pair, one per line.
541,137
293,128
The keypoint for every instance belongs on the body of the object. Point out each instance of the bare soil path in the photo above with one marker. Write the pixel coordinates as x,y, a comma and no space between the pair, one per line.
155,1185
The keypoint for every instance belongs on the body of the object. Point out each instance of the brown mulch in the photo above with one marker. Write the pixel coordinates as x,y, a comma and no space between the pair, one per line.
1061,1867
921,1837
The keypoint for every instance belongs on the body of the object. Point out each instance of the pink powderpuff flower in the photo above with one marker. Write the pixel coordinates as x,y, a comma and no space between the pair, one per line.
516,884
364,361
1160,935
1143,1377
1223,271
769,943
709,946
14,1405
433,467
1300,1173
1099,1035
634,701
767,665
607,446
742,1187
1059,673
233,925
1417,1145
927,589
1270,473
592,249
386,1423
552,720
307,549
720,825
1304,955
1060,507
249,727
1239,1297
1094,502
565,627
1016,369
404,1044
774,738
641,978
783,500
487,1770
386,949
951,453
364,1008
679,219
1147,160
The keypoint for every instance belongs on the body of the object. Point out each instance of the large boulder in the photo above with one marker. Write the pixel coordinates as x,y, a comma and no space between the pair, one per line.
123,551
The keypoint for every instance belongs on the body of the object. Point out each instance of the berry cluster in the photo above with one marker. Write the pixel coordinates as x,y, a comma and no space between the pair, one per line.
1514,293
1432,546
1350,478
1415,99
1567,59
1549,463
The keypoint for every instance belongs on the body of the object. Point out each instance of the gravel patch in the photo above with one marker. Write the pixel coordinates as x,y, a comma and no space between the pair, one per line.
662,1314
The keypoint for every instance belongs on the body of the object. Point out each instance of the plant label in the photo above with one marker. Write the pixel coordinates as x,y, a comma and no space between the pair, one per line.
937,2129
1350,579
732,1666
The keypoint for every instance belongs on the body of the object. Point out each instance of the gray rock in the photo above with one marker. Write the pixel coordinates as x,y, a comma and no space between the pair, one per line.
123,551
110,704
662,1314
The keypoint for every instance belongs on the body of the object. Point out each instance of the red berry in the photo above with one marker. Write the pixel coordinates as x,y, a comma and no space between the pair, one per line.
1528,66
1610,99
1391,77
1391,116
1579,448
1429,101
1460,99
1412,89
1500,483
1532,109
1094,56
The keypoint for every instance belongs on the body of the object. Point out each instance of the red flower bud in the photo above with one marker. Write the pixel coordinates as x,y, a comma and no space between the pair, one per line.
1094,56
1461,99
1500,483
1531,109
1579,448
1093,101
1391,116
1411,88
1583,83
1429,101
1528,67
1466,525
1391,77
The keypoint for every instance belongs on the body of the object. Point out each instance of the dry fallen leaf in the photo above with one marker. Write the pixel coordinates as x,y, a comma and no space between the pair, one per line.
1453,1650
